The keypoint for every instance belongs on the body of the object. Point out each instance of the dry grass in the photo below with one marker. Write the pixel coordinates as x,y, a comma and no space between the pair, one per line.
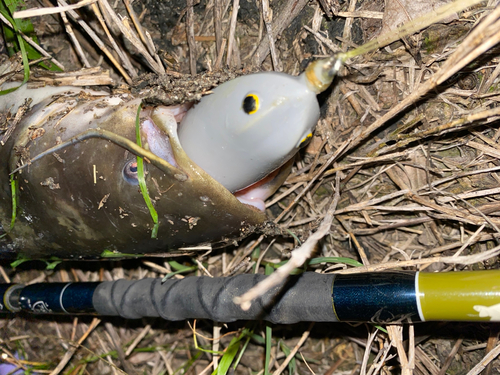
402,173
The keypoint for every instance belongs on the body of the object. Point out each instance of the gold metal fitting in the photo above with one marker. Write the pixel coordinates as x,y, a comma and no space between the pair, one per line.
319,74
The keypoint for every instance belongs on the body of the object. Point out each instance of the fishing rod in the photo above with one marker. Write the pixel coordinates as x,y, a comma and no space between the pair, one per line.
381,297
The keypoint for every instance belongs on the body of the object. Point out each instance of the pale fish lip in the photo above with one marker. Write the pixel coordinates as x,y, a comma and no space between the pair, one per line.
158,141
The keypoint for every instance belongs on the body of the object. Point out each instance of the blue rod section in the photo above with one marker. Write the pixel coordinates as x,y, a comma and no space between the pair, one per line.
375,297
56,298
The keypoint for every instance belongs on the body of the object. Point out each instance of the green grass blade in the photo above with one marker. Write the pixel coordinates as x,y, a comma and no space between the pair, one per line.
142,181
269,345
186,366
18,262
14,40
13,189
294,236
117,254
52,264
249,336
180,267
319,260
228,356
172,274
292,365
255,255
6,11
344,260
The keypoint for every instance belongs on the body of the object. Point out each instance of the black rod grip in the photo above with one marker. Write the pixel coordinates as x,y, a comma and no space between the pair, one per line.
306,297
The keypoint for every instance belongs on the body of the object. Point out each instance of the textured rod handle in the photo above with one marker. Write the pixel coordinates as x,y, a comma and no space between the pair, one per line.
306,297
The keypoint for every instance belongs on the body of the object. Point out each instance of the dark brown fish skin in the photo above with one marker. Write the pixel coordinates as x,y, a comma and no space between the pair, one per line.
58,202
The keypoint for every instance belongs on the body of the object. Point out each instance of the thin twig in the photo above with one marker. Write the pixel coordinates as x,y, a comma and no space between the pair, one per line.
44,11
485,361
464,260
190,37
69,354
232,31
368,350
284,16
297,259
218,26
118,50
482,38
289,357
76,43
130,35
99,43
267,16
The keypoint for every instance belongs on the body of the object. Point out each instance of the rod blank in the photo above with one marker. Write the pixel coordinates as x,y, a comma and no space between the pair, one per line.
380,297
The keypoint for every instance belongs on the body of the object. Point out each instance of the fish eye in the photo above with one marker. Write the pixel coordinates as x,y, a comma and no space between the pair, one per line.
305,141
130,172
250,104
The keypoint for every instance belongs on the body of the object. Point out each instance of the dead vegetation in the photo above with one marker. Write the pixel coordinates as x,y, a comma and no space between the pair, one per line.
402,173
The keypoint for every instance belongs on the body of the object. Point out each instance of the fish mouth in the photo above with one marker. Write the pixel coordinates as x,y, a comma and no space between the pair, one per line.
159,128
160,132
158,141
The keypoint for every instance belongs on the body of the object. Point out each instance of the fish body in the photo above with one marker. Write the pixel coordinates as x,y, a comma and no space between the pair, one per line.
69,210
78,196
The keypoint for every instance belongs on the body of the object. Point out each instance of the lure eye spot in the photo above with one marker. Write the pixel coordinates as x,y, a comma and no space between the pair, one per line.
305,141
250,104
130,172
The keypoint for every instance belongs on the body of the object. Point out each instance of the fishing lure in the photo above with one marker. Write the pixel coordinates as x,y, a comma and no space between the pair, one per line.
78,195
